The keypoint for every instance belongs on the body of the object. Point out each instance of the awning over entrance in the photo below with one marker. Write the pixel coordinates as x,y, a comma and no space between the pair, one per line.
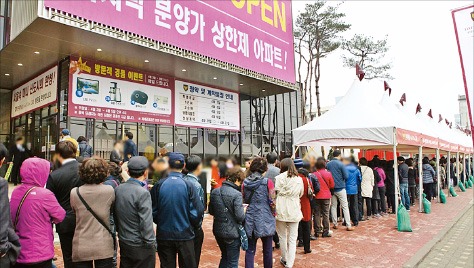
44,42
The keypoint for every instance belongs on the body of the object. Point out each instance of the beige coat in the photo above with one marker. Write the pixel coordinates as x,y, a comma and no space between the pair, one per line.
289,191
368,181
91,240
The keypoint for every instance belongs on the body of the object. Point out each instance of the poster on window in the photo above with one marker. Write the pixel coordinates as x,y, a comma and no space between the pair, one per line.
39,92
206,107
104,91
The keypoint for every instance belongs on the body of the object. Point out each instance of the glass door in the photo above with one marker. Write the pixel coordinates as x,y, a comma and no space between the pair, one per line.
49,136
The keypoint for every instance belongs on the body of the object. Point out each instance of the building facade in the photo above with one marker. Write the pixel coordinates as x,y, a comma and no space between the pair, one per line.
100,78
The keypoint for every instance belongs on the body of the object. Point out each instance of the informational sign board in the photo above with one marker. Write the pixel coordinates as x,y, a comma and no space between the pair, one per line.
206,107
463,19
255,35
39,92
104,91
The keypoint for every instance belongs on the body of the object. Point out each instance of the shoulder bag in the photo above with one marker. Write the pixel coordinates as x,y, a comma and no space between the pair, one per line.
97,218
15,222
244,243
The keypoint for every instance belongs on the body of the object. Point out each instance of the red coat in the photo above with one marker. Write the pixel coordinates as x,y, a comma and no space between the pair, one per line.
326,182
304,200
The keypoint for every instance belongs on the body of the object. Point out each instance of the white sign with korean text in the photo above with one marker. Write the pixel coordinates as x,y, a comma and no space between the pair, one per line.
206,107
36,93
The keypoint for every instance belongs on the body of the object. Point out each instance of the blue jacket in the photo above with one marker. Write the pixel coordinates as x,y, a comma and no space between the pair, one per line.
353,180
129,148
177,209
339,173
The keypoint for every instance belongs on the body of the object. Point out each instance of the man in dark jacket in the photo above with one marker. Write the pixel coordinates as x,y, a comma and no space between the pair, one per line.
129,147
18,154
9,245
60,182
177,211
339,173
133,217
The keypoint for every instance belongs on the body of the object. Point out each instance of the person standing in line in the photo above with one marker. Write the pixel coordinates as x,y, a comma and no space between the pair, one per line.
93,243
18,154
289,189
133,218
304,227
404,174
129,147
228,211
65,135
390,185
33,208
116,154
9,240
194,168
259,194
177,212
85,150
381,185
60,182
367,184
428,178
339,173
272,172
323,199
352,184
412,180
375,193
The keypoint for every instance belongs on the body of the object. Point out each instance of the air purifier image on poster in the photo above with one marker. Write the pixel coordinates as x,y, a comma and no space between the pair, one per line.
139,97
87,86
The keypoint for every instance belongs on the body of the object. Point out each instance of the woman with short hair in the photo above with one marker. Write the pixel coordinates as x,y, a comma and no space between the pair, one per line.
323,198
93,244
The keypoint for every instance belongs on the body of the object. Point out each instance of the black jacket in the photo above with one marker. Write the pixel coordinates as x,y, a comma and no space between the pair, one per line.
115,157
224,225
17,156
60,182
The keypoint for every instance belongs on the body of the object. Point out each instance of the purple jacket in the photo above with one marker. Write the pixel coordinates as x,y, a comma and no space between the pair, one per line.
39,210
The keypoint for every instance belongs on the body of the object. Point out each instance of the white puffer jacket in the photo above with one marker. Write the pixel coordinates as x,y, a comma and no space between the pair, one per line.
368,181
289,191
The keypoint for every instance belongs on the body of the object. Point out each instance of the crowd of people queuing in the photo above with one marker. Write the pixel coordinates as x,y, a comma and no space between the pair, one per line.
100,207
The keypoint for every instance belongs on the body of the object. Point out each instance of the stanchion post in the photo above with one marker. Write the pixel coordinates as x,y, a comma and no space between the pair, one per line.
395,176
438,176
464,167
420,178
457,167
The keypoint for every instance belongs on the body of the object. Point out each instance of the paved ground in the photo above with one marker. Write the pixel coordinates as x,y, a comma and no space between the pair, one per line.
456,249
375,243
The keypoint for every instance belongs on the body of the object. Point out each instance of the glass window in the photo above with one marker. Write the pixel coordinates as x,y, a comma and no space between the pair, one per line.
165,138
103,138
147,139
5,111
181,141
197,142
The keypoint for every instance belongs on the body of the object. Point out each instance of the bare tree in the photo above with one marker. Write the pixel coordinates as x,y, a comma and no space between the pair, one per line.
369,54
317,34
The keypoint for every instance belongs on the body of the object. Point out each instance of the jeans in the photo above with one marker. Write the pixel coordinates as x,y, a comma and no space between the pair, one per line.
412,193
391,201
267,251
375,206
354,208
322,209
230,252
342,197
137,257
404,195
368,204
167,251
65,239
288,233
44,264
382,206
304,233
104,263
360,205
198,240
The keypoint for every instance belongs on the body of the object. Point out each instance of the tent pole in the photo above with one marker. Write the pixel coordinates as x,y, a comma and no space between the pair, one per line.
420,178
438,176
363,153
395,171
448,170
457,167
294,154
464,166
385,155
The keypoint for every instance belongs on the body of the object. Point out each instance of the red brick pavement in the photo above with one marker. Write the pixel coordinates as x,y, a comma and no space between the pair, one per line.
374,243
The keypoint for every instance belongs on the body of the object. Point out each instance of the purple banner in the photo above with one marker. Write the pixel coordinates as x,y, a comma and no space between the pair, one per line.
255,35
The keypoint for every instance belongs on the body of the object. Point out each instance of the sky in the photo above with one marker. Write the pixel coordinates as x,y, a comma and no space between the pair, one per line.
423,51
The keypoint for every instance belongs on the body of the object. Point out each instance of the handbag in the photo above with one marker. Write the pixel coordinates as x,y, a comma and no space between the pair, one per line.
244,242
97,218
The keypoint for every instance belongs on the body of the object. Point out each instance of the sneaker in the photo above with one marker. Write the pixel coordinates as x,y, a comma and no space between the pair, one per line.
334,227
282,262
277,245
377,216
300,244
308,251
408,209
328,234
352,228
312,237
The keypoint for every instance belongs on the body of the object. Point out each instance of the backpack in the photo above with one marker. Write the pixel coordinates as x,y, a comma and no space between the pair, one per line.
314,180
377,176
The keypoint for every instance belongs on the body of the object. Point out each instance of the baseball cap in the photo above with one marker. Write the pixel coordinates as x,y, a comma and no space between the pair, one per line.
175,157
138,163
66,132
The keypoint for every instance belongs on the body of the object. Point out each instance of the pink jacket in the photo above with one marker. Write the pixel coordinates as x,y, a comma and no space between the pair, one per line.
37,214
382,175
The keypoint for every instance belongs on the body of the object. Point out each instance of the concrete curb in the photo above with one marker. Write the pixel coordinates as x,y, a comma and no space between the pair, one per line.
423,252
